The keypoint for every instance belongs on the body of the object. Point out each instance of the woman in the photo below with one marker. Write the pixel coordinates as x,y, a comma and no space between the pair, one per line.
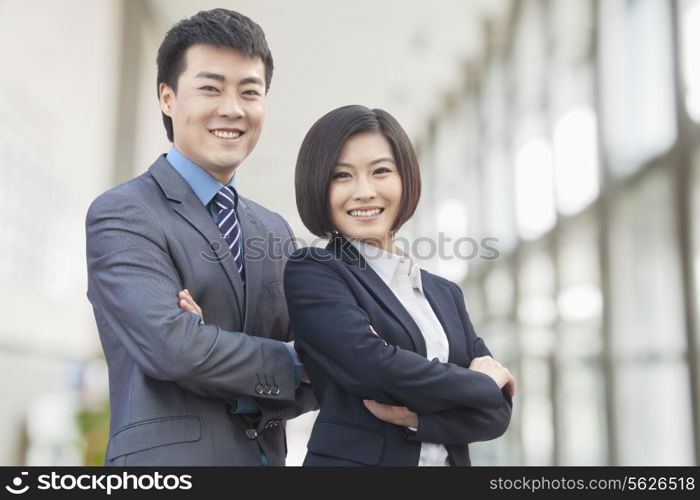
399,373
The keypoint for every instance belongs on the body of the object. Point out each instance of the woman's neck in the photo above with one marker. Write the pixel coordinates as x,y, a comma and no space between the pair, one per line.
388,244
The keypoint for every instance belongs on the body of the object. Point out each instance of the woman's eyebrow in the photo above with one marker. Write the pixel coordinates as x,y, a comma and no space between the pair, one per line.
371,164
379,160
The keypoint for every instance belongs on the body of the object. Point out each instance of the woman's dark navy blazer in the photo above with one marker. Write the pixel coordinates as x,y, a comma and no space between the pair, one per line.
333,298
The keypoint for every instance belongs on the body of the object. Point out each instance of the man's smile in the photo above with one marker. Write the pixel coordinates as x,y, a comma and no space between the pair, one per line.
227,133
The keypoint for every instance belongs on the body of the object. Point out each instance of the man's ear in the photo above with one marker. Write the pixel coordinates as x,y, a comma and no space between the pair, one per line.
166,96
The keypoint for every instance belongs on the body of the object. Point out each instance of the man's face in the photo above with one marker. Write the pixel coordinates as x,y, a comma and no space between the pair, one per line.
219,108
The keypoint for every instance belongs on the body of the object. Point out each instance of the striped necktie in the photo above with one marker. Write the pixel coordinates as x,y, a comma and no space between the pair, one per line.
226,200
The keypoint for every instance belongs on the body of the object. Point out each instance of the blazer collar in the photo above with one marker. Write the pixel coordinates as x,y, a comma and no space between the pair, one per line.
438,297
189,207
441,301
351,257
253,231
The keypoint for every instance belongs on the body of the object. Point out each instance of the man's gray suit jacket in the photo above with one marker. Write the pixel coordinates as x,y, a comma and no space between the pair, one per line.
169,376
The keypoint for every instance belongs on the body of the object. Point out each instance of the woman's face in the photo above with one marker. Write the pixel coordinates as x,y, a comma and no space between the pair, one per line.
365,190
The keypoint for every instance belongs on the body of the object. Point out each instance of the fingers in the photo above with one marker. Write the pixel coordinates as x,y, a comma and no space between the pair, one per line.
499,373
305,376
397,415
374,332
188,304
372,406
510,385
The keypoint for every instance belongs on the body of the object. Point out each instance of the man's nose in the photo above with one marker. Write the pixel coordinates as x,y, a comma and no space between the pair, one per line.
230,106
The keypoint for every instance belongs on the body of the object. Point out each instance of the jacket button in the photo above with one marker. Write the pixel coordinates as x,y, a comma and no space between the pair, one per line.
259,388
268,389
251,433
275,390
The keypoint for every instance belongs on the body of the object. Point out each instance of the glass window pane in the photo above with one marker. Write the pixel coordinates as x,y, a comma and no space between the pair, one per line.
637,81
581,407
537,423
576,159
648,328
497,170
647,308
690,41
654,414
534,175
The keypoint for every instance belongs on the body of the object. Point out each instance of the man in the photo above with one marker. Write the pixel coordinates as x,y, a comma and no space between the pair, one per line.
185,392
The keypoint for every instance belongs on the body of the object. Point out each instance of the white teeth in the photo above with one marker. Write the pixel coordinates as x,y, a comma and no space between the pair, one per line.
365,213
224,134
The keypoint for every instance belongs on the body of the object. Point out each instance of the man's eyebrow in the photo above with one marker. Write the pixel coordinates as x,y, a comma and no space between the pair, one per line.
251,79
221,78
213,76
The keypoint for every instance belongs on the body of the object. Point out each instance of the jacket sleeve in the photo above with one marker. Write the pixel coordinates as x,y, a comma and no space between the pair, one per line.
334,332
460,426
133,285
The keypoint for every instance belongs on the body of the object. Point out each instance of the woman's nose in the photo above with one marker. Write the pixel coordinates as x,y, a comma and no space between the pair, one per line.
364,189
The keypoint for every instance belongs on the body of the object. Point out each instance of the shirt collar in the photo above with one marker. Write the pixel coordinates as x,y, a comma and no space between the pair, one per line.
204,185
387,265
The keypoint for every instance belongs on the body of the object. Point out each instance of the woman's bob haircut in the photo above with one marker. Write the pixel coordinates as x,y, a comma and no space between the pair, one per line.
319,154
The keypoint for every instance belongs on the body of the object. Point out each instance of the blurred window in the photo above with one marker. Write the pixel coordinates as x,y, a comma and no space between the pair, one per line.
690,41
497,171
651,372
580,398
534,175
637,81
536,314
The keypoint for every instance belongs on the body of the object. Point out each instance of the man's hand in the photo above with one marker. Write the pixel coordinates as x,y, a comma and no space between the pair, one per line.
397,415
499,373
304,376
188,304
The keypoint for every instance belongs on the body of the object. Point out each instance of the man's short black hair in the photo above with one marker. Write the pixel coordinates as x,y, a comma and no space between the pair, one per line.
319,154
216,27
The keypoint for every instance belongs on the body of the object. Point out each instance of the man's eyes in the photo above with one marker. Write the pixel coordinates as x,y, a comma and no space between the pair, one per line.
248,92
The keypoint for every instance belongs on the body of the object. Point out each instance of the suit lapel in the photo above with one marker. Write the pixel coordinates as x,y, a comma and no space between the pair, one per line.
379,290
186,204
252,232
441,302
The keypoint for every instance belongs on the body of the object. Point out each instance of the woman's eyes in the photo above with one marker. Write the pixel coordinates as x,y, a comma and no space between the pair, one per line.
346,175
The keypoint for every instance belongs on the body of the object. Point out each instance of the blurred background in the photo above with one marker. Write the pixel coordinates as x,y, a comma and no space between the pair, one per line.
559,143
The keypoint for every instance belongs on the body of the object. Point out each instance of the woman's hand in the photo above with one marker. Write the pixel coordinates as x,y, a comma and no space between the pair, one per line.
499,373
188,304
397,415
